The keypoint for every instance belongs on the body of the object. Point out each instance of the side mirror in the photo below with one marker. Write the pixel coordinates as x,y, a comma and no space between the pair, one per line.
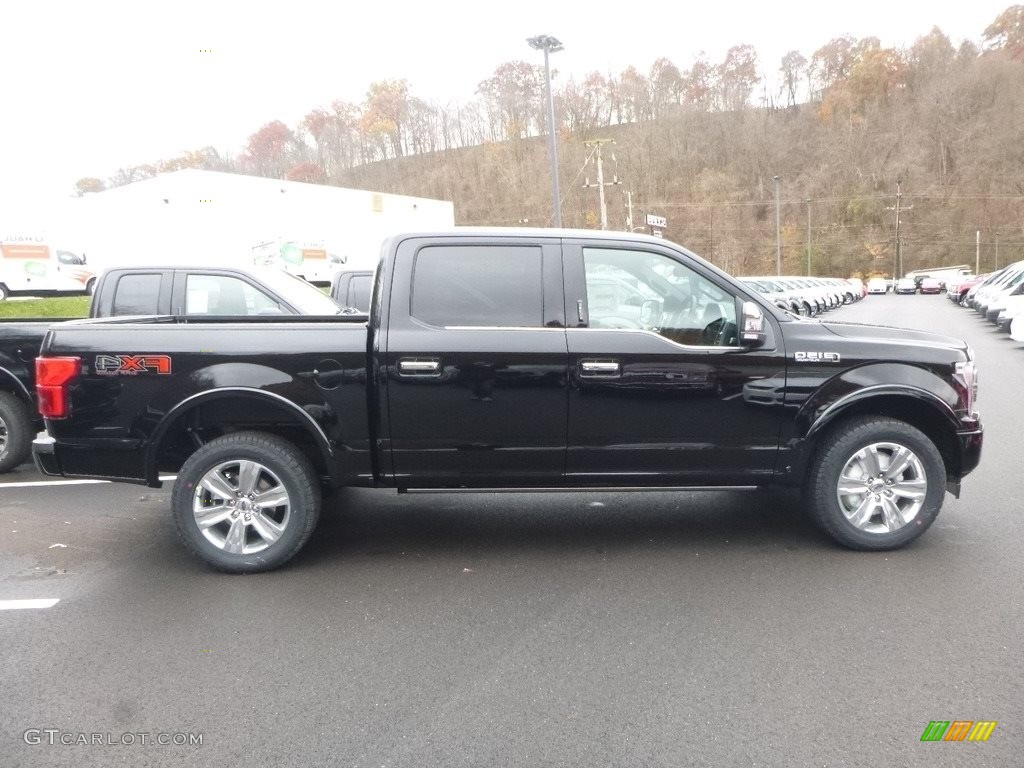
752,324
650,313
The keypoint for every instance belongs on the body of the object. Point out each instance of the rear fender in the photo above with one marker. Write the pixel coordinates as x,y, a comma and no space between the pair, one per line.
11,383
277,402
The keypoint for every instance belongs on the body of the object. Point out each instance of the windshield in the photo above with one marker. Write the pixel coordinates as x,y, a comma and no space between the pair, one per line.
303,296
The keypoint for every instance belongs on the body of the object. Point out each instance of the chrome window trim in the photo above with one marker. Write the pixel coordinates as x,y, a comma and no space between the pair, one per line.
700,348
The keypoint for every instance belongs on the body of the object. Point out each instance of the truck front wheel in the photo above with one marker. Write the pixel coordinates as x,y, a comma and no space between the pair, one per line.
246,502
15,432
876,484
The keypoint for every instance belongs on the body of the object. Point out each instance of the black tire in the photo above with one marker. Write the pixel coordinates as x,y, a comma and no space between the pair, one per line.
282,464
4,293
841,446
16,432
90,286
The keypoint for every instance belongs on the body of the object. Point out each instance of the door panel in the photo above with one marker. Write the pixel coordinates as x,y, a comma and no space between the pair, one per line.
476,397
644,407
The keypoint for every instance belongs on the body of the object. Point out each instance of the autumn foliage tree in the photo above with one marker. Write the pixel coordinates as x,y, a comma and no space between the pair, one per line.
1006,33
512,97
269,149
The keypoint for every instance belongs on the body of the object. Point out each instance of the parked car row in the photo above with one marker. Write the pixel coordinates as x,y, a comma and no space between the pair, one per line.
999,298
808,295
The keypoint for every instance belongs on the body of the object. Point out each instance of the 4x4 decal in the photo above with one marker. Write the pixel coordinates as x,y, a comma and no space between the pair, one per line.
112,365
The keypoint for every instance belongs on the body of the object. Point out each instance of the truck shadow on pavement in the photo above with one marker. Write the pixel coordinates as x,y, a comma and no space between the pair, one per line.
374,523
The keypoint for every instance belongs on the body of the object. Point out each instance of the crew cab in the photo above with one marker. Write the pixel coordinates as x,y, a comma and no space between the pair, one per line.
184,291
512,359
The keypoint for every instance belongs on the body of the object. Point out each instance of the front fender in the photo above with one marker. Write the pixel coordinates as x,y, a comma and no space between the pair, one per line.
854,386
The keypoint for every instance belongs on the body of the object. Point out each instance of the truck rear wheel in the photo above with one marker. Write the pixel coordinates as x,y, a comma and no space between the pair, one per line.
876,484
15,432
246,502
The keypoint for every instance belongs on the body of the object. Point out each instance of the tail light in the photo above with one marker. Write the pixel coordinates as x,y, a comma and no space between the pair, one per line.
53,375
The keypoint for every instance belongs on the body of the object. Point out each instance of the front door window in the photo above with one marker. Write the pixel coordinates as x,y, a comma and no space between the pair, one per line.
629,289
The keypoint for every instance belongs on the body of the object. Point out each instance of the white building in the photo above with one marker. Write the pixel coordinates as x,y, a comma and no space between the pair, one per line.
195,216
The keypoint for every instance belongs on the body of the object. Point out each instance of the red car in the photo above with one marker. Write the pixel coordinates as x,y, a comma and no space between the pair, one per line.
956,291
931,285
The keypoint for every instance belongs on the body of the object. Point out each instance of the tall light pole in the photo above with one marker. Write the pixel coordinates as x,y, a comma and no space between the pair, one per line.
778,230
808,202
550,45
897,267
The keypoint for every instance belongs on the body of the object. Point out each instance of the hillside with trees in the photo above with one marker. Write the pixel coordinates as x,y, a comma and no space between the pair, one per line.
701,146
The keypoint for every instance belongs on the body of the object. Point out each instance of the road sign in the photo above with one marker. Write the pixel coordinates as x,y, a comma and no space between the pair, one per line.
656,221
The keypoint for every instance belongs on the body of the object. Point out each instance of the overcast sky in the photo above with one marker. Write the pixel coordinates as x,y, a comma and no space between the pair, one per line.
89,87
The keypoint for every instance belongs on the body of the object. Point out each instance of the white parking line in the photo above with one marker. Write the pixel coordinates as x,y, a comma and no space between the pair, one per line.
17,605
47,483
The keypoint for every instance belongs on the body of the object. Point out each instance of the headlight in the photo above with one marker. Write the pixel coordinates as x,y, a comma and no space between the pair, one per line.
966,375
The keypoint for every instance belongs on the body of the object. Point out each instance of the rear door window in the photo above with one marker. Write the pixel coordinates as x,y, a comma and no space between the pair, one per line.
478,285
137,295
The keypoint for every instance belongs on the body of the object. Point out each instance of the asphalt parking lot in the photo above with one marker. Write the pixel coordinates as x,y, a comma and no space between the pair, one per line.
660,629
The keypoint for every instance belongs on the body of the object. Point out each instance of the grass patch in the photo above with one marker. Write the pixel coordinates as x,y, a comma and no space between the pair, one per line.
55,306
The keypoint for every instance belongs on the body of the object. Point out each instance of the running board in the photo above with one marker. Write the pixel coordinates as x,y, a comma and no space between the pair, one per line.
587,489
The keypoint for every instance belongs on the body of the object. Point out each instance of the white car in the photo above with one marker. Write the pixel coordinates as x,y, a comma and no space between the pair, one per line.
906,285
1017,328
1014,308
878,285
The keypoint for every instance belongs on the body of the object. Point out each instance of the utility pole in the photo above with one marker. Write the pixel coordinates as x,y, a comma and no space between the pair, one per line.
997,252
977,250
601,184
897,258
808,202
711,234
778,230
629,211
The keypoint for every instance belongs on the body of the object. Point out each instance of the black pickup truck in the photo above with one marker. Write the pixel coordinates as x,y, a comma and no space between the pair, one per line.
191,292
513,359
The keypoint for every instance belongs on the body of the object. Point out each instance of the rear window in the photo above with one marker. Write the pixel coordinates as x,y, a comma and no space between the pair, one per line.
137,295
359,289
478,286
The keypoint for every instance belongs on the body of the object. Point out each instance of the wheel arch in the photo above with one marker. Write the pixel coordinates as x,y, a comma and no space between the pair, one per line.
919,408
11,383
276,413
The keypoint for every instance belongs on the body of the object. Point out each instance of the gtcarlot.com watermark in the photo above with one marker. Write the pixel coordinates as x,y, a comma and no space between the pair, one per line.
54,737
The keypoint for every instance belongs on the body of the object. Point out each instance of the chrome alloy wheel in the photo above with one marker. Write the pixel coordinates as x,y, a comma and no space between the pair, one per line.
3,436
241,507
882,488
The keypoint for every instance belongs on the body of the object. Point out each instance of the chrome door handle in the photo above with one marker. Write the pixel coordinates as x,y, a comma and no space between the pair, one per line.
420,367
600,367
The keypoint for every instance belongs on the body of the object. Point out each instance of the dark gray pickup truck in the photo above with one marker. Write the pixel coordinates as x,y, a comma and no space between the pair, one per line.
193,292
513,359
